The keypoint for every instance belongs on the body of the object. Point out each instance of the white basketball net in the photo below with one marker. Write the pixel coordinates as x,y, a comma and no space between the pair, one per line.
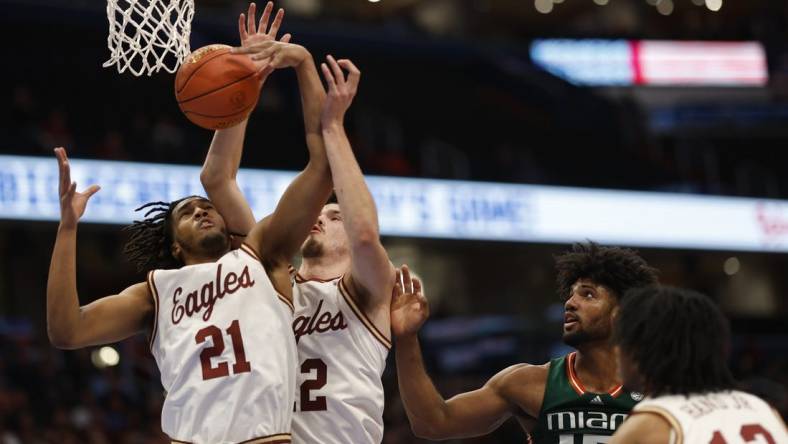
148,35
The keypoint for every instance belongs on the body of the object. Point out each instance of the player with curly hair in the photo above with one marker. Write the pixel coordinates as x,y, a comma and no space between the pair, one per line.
219,318
575,398
673,346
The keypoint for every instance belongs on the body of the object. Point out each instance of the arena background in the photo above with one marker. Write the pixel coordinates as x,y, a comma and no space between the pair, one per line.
450,90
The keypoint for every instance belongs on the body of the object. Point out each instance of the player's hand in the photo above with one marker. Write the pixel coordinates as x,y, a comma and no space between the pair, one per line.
276,54
251,33
72,203
409,307
341,90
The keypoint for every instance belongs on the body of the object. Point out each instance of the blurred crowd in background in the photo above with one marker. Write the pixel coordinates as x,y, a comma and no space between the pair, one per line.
493,305
447,91
52,396
461,104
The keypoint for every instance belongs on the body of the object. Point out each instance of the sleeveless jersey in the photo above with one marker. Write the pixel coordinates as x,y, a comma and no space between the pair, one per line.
339,398
571,415
225,350
726,417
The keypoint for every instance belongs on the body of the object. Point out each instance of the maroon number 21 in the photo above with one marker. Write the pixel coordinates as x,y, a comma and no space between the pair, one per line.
222,368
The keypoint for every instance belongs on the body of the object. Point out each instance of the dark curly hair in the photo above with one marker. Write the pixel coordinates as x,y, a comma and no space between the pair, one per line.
679,339
150,239
618,269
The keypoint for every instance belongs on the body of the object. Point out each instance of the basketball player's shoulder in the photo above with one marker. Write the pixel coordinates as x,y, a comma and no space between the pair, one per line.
522,385
141,290
643,428
140,296
520,376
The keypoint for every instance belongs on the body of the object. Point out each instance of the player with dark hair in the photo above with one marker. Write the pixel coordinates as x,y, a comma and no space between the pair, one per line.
572,399
244,293
673,346
343,287
219,318
150,239
679,340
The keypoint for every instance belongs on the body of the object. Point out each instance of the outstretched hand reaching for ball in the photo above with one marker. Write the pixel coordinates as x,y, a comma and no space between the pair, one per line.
252,33
341,90
72,203
259,41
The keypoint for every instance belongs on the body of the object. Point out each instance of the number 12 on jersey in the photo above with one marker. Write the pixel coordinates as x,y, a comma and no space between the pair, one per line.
321,378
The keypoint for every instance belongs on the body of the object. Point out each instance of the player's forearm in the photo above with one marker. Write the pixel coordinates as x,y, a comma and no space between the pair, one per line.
224,157
298,210
424,405
359,213
303,199
312,98
218,177
63,313
312,94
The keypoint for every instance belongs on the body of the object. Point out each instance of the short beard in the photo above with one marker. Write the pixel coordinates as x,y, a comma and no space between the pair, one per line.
215,245
576,339
311,249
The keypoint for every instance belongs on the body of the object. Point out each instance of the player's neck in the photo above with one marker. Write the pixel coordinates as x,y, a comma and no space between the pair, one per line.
194,259
597,368
324,267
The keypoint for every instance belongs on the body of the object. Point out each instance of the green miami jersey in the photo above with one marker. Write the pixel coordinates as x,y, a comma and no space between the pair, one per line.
571,415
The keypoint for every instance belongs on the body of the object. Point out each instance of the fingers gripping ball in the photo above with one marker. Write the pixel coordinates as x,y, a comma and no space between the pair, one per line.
217,89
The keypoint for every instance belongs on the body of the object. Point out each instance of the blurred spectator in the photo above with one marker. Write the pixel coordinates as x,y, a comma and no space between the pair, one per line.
112,146
22,121
442,160
167,140
768,390
54,131
51,396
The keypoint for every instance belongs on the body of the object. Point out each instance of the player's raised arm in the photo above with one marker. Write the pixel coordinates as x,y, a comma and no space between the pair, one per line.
106,320
469,414
372,273
298,208
279,236
218,175
271,54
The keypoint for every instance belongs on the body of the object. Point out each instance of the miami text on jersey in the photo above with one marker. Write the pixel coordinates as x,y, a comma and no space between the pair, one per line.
567,421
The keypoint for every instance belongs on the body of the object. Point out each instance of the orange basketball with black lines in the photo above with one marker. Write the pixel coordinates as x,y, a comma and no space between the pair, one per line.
215,88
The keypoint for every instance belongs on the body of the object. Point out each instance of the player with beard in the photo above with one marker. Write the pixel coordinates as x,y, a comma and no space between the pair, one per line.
218,318
576,398
343,287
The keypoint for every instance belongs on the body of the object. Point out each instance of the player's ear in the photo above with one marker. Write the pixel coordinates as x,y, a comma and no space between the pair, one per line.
175,250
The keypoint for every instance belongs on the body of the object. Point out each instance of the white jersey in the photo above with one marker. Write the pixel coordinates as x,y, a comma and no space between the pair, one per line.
225,350
342,356
721,417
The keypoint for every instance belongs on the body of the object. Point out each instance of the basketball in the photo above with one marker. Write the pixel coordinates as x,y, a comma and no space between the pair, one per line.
216,89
